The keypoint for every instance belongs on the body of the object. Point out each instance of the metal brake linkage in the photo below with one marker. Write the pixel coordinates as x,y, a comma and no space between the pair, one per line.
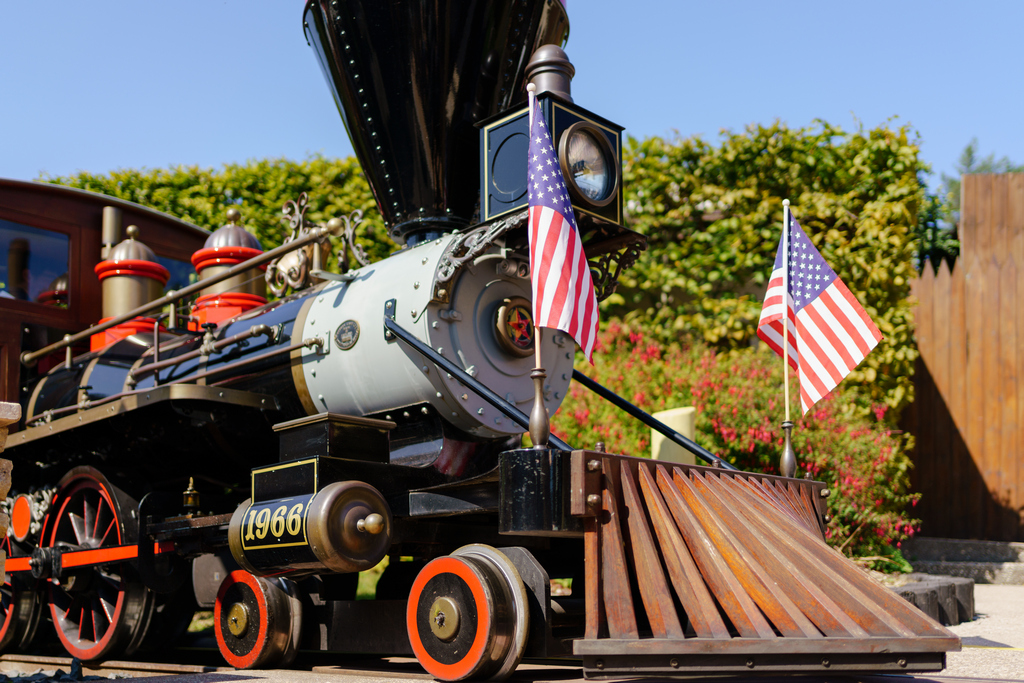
649,420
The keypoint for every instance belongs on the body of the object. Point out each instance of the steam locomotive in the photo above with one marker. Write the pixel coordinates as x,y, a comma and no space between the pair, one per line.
206,447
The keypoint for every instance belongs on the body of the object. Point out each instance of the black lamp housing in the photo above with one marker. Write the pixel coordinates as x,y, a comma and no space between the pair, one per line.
504,146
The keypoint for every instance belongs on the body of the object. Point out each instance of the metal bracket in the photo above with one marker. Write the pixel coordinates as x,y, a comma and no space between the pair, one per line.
334,277
586,472
390,307
606,268
467,247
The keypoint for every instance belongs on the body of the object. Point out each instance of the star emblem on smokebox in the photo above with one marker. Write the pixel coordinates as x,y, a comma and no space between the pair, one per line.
514,326
519,327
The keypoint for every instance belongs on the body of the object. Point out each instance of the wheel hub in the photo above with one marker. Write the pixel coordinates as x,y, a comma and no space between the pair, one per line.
238,619
444,619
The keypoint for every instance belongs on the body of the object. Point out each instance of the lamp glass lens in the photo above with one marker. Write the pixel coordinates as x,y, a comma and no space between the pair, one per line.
587,163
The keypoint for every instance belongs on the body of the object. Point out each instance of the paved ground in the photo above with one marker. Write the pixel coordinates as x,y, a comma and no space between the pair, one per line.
994,641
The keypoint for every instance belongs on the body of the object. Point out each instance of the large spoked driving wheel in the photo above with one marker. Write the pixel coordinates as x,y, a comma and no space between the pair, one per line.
97,612
21,607
468,616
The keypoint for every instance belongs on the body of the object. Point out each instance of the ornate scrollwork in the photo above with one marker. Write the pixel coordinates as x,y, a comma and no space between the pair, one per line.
466,248
606,268
346,232
297,268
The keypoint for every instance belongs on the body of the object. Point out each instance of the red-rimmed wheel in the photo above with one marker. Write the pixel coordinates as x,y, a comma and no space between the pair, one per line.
97,612
468,616
21,606
257,620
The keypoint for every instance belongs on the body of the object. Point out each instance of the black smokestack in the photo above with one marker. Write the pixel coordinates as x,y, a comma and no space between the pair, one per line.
411,77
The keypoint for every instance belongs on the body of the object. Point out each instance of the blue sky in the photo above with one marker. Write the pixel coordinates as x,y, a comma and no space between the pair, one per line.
111,84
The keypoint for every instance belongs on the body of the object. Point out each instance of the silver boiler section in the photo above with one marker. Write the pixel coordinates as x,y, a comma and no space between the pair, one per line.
462,311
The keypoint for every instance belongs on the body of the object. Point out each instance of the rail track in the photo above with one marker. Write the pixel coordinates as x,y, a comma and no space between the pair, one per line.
316,664
22,665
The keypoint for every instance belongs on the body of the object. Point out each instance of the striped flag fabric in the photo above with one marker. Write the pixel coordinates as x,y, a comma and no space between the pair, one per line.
829,331
563,292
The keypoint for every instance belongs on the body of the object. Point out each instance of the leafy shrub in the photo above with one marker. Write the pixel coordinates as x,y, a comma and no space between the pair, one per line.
739,408
259,189
713,218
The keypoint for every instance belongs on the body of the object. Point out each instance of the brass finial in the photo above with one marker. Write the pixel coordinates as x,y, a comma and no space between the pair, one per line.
234,215
191,497
787,465
540,427
132,231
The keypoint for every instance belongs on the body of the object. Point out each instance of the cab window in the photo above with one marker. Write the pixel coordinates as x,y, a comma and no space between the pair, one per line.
33,264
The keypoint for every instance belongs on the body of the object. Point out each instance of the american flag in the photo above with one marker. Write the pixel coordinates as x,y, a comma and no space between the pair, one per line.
829,331
563,293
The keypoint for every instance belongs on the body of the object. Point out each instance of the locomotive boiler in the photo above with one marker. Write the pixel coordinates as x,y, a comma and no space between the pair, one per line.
206,445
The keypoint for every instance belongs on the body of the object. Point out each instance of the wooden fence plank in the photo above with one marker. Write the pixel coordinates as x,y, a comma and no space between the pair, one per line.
1007,322
983,216
956,400
968,216
939,363
1015,475
923,475
990,409
940,425
923,312
999,184
1015,225
1015,214
975,436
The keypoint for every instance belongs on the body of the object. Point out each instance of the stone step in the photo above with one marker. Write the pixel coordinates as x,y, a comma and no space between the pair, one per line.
948,600
1004,573
922,549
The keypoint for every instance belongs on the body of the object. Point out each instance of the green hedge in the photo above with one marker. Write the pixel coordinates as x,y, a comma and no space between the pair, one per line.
258,188
713,218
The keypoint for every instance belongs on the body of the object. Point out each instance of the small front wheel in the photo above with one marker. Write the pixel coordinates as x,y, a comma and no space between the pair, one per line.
468,616
257,621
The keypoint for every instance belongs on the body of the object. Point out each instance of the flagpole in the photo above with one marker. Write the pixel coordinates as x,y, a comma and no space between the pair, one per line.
785,301
787,464
531,98
540,425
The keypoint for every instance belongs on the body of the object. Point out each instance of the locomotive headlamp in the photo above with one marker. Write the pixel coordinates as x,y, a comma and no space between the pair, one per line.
588,164
589,153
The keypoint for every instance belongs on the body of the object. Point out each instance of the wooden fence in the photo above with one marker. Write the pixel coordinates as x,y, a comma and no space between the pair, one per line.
968,417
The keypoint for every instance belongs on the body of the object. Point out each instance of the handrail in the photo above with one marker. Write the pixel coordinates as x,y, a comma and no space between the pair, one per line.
649,420
513,413
227,367
30,357
207,349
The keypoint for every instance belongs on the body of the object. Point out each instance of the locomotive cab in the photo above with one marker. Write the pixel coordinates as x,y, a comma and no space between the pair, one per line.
50,239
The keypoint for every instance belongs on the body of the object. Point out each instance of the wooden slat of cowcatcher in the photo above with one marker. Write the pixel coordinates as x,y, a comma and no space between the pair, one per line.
737,561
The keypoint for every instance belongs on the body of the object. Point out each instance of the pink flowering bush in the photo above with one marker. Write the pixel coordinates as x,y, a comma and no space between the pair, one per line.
738,397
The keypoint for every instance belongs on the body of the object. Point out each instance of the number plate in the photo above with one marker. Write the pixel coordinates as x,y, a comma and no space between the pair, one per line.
279,523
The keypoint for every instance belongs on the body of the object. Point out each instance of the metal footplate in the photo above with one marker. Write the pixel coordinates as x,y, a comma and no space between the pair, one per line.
702,571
